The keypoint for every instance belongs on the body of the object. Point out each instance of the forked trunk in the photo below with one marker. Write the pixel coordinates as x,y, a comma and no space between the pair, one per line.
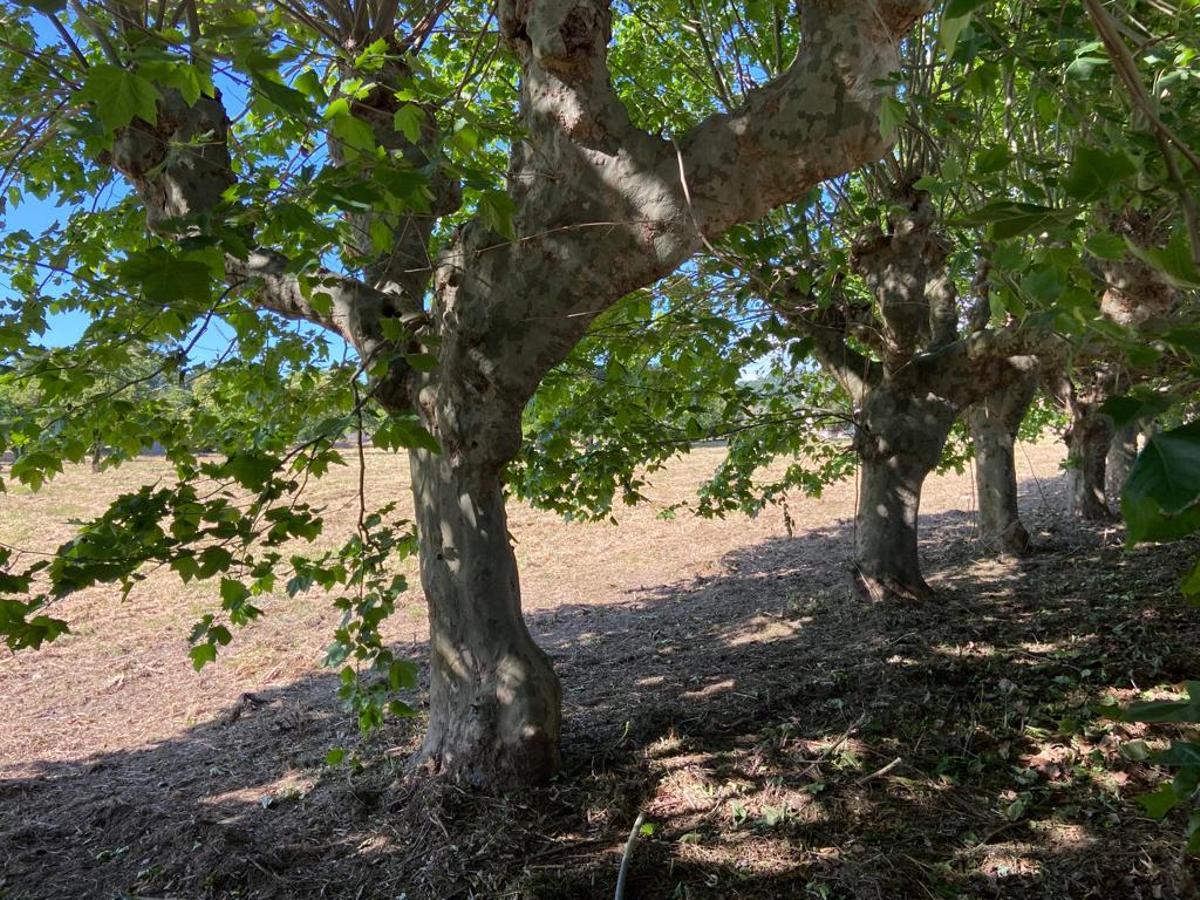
994,423
494,700
1122,453
899,444
1087,450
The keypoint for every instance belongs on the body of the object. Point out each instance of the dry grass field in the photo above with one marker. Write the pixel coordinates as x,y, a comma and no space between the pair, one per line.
783,738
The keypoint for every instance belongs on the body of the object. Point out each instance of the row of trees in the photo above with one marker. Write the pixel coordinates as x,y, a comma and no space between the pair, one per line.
575,226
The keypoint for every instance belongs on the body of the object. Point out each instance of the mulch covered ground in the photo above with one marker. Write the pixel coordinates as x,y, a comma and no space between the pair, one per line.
781,737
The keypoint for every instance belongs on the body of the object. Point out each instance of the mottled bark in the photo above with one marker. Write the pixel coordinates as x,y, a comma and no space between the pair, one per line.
908,397
994,423
1122,453
494,700
899,443
1088,440
1088,435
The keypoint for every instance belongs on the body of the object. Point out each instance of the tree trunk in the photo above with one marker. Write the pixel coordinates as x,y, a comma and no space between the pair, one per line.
494,700
1088,440
1122,452
994,423
899,443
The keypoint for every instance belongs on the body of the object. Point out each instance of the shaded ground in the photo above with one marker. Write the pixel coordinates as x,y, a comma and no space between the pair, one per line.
782,738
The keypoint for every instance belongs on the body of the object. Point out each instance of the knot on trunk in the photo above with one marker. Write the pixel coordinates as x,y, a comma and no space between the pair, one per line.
1134,291
899,266
898,16
179,165
563,36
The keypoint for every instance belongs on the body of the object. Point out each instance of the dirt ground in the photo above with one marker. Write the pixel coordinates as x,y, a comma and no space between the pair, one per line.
781,737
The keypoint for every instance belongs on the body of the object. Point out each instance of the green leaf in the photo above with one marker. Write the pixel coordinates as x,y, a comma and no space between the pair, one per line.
932,185
335,756
233,593
1193,829
1167,710
1160,802
1044,284
1145,521
421,362
402,674
164,277
1174,260
288,99
1180,753
1105,245
354,132
408,120
251,469
951,28
1084,67
181,76
993,159
1127,409
186,566
120,96
1006,218
958,8
1137,750
1094,172
406,432
202,655
309,84
1190,588
1164,484
1186,337
892,115
496,209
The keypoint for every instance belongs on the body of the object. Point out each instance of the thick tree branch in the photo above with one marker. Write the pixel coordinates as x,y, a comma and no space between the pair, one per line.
856,373
903,269
604,208
180,167
819,119
971,368
343,305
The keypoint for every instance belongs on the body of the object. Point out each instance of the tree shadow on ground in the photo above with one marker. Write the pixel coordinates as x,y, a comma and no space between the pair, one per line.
783,738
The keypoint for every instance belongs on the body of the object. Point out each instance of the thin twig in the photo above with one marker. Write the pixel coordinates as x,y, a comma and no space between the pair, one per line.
879,773
97,32
832,748
628,855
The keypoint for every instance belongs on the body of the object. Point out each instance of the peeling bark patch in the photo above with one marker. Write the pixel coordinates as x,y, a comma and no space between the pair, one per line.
578,31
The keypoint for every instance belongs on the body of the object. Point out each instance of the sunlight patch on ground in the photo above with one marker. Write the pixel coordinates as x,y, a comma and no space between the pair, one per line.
291,786
1009,861
1065,836
971,649
760,629
709,690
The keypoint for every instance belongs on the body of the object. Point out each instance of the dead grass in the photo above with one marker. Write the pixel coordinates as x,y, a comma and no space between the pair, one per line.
783,738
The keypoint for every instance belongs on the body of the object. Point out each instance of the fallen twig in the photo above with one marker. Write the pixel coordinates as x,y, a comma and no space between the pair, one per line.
879,773
832,748
623,872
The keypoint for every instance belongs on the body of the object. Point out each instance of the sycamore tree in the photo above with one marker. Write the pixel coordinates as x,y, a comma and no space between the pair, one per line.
937,288
451,192
862,276
998,260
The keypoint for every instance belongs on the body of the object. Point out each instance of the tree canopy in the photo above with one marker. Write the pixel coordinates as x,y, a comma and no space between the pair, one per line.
545,247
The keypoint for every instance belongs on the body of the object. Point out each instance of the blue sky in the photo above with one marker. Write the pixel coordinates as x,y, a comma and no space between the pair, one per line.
36,215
